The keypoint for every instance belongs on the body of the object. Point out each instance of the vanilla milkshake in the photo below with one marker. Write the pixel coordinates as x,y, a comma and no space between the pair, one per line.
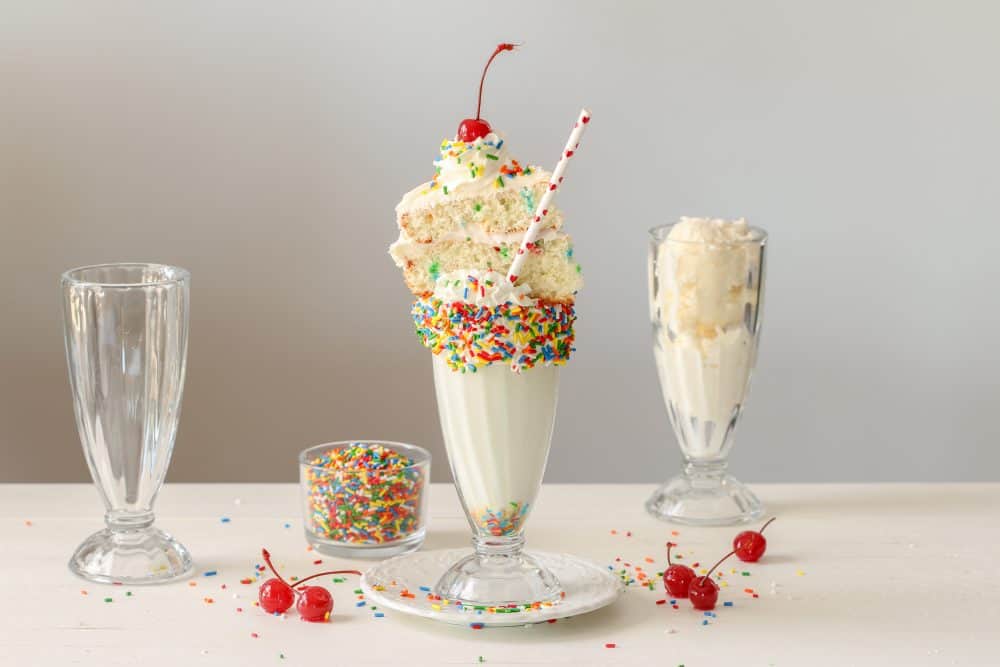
497,423
482,249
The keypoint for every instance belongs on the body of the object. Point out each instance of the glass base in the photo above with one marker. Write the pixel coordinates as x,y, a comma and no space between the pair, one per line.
498,575
374,551
704,495
139,556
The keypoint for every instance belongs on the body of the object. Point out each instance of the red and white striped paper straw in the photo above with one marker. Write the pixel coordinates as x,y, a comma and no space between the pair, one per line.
543,206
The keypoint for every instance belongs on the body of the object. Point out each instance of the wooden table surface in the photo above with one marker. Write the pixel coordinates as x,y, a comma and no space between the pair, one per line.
902,574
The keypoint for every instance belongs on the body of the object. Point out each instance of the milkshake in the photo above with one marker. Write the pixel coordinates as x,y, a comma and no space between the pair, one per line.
706,285
497,340
497,403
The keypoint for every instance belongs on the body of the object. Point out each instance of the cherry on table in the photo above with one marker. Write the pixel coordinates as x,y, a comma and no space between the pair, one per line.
704,592
677,578
471,129
275,595
750,545
315,603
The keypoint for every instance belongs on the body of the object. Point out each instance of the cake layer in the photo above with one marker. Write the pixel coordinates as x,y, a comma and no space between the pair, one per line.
482,217
551,272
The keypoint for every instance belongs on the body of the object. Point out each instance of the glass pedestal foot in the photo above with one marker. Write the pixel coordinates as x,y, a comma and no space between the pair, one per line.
497,575
139,556
704,497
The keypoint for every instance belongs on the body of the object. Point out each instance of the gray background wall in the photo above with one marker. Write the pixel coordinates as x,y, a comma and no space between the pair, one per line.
263,145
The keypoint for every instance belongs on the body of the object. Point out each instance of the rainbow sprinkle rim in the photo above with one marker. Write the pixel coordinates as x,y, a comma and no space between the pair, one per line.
474,336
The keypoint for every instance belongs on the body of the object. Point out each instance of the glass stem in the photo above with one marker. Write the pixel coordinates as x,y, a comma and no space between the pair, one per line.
121,521
706,474
490,547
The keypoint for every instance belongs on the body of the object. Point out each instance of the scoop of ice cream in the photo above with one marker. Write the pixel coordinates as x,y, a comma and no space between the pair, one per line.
481,288
707,272
469,168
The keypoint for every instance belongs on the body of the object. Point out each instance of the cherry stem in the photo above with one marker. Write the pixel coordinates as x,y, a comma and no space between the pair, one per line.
721,560
323,574
670,545
499,49
267,559
767,524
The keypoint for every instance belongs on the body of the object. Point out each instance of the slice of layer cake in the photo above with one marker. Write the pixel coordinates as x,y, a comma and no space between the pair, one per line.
473,214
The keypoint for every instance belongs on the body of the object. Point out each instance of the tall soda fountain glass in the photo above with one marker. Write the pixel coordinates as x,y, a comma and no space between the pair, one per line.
126,330
497,428
706,288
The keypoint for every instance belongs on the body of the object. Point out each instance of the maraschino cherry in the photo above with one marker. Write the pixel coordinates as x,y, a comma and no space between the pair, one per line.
677,578
704,592
471,129
751,544
315,602
275,594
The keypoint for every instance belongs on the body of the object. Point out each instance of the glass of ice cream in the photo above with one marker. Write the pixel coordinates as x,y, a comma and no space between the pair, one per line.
706,288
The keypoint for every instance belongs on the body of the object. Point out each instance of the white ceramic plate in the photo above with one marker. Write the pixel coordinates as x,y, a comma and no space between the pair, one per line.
587,586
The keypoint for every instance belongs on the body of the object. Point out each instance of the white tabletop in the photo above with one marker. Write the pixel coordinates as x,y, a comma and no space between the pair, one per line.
900,574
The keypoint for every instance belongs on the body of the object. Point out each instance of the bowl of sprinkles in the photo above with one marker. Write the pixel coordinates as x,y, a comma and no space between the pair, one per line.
365,499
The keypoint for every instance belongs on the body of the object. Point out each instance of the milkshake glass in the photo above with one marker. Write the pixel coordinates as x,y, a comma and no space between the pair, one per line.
497,427
706,294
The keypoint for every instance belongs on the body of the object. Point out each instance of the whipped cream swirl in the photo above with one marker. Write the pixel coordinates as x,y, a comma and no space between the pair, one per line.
481,288
470,168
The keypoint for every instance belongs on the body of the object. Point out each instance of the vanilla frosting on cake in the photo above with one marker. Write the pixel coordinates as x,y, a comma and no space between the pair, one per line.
473,214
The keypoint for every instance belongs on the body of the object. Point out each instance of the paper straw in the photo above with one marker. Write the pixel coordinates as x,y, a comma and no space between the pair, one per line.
543,206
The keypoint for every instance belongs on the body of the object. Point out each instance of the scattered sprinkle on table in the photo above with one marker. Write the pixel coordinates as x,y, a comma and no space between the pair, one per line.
108,599
610,645
254,635
210,573
225,519
379,614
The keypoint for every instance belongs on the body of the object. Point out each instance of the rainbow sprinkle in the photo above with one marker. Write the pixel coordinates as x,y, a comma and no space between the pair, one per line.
507,521
474,336
364,494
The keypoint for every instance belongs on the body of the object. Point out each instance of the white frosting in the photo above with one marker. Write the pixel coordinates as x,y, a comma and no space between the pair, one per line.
467,169
481,288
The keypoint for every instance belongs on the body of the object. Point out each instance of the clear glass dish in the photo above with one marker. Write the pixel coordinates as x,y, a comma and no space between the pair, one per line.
126,333
706,303
365,513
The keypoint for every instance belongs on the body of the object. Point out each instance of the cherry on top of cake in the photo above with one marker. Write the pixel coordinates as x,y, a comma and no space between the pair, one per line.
471,129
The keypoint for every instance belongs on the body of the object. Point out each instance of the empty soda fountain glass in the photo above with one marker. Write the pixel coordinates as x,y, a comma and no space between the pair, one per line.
497,427
126,331
705,306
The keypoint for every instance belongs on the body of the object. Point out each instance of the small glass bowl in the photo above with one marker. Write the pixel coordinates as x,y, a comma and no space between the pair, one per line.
362,512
